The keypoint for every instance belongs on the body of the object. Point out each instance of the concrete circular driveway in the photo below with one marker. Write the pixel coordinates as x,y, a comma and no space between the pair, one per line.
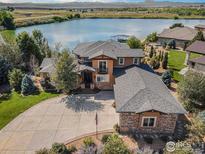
53,121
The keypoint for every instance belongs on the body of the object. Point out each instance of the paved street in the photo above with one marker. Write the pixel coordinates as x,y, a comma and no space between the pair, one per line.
55,121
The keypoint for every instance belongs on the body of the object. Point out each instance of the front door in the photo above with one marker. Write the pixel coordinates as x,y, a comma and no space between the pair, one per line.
87,79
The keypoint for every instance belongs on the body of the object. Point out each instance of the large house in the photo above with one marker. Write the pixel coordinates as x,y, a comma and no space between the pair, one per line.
142,99
145,104
100,62
181,35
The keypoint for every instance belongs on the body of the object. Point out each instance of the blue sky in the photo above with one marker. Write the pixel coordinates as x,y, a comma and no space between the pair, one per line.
60,1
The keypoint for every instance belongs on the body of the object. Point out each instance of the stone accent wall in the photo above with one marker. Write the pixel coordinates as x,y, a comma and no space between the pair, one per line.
164,123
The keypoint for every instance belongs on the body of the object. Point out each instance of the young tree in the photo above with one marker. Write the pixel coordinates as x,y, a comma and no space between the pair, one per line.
27,86
7,20
134,43
167,78
5,66
151,37
66,77
115,145
192,89
165,61
15,79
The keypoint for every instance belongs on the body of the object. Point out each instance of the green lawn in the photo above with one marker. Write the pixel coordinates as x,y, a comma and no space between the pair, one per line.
176,62
17,104
8,36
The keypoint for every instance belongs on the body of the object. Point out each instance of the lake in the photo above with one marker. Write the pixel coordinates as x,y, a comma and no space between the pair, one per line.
70,33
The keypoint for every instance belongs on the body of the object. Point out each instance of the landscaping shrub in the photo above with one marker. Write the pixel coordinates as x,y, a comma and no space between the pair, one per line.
58,148
43,151
155,63
105,138
115,145
134,43
148,140
116,127
27,86
72,149
167,78
201,115
15,79
88,141
165,61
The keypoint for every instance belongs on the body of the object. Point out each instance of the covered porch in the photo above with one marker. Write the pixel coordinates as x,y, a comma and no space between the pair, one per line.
86,74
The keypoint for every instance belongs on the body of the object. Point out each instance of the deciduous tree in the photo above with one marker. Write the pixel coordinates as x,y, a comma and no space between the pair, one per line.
134,43
15,79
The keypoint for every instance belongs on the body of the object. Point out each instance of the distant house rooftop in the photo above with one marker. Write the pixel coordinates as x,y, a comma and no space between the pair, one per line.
140,91
200,60
197,47
110,48
179,33
200,26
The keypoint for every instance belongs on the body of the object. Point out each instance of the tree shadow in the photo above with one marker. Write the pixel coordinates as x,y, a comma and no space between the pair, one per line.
80,103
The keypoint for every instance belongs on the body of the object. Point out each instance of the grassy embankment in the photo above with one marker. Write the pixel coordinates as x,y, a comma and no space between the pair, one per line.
176,62
16,104
34,17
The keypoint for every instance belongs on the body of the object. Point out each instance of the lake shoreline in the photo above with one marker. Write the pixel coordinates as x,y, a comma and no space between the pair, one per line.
42,22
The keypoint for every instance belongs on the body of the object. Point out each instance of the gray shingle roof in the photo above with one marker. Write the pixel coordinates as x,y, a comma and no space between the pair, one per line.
200,26
199,60
197,47
111,48
139,90
179,33
48,65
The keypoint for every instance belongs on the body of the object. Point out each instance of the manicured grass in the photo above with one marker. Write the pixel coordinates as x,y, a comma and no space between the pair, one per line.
16,104
176,62
8,36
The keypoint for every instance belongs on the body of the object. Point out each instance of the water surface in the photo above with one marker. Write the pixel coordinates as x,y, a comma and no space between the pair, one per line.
70,33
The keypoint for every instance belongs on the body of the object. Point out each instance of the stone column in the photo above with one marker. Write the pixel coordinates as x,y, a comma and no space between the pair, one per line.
187,58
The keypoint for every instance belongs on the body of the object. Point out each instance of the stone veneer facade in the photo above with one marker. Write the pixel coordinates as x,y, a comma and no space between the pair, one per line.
165,123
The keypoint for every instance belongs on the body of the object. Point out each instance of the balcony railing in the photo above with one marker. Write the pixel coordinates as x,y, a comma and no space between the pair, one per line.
102,70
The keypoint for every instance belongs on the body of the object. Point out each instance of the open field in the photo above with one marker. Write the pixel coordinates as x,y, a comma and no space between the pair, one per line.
16,104
176,62
26,17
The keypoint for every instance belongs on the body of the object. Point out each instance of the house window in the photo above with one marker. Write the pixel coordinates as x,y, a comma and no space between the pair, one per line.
102,65
148,121
136,61
102,78
121,61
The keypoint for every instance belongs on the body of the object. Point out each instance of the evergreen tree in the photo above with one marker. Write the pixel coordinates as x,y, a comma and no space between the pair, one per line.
27,86
165,61
5,66
15,79
151,52
167,78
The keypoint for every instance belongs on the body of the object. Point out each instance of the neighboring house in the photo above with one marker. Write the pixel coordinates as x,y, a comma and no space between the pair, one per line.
200,27
181,35
145,104
48,66
102,59
197,64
